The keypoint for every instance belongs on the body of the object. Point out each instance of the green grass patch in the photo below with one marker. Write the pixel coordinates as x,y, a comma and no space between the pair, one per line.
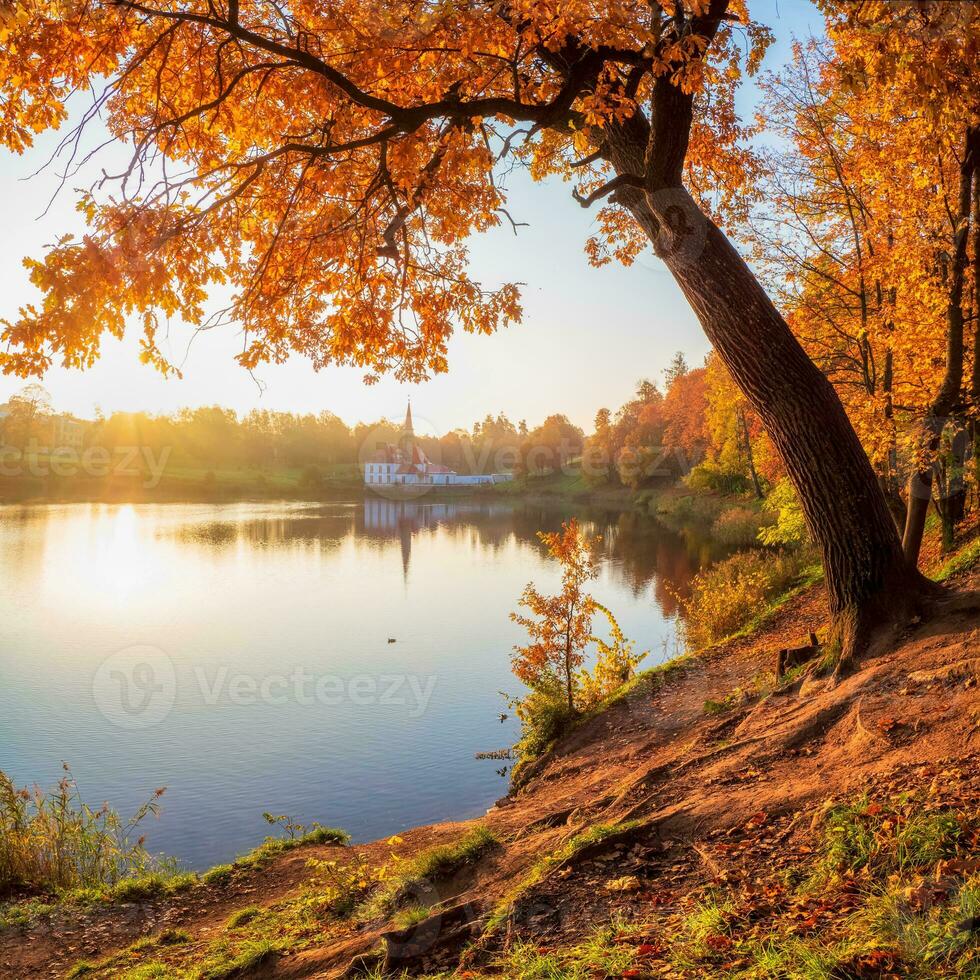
220,874
430,865
149,886
243,916
223,962
698,935
598,956
966,558
273,846
411,916
24,912
146,971
887,838
81,968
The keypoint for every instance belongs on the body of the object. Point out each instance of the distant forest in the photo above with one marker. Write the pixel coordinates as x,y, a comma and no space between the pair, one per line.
692,419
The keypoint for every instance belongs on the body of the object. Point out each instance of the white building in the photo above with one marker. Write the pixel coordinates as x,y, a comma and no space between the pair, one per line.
406,464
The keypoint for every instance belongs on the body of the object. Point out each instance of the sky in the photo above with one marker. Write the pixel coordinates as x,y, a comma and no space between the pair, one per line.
586,337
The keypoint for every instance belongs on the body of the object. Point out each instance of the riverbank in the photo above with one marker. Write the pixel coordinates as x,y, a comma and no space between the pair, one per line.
710,823
173,483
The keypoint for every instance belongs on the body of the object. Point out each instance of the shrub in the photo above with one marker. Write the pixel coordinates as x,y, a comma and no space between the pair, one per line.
615,666
737,527
788,527
709,476
728,596
55,842
544,715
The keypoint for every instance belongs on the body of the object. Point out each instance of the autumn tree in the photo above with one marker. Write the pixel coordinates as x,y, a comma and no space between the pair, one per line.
26,411
549,447
559,626
325,164
866,230
731,432
918,61
685,409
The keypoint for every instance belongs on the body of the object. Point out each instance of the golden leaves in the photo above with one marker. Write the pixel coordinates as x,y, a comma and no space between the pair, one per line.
298,176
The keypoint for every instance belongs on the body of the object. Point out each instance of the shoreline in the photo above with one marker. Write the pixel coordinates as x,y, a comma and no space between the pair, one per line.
53,490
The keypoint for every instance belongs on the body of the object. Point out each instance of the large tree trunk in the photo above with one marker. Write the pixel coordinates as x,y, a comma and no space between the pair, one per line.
870,586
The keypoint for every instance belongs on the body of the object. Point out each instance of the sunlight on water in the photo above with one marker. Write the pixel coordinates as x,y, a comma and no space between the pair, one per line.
239,654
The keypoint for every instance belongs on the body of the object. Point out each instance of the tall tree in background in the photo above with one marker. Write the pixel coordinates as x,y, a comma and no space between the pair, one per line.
25,411
917,62
327,162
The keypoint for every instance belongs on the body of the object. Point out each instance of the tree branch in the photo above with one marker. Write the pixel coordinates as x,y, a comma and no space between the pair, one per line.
622,180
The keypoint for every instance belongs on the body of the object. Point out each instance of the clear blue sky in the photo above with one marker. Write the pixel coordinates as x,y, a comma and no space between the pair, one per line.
587,334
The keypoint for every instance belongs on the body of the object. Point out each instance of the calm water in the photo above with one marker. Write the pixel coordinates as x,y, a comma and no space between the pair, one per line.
239,654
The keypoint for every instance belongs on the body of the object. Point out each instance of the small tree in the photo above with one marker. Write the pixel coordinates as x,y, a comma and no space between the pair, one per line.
559,626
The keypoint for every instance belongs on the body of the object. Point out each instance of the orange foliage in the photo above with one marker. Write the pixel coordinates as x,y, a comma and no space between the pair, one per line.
324,164
559,626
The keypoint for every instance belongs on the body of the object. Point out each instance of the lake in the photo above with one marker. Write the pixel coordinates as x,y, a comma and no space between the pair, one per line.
240,654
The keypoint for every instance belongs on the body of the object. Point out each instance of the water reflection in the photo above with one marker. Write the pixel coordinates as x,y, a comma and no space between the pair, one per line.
642,554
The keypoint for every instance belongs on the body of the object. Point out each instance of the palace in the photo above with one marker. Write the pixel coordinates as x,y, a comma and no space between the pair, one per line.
406,463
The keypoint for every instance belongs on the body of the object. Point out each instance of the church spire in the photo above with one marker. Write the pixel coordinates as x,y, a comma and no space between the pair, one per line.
408,430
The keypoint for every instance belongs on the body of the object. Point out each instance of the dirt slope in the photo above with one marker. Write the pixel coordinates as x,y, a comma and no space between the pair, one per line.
663,778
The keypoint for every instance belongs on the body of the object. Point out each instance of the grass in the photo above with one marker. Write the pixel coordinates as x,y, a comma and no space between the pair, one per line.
569,484
965,559
81,968
856,900
218,875
148,886
243,916
706,928
222,962
25,912
887,839
146,971
53,843
417,873
599,955
411,916
273,846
